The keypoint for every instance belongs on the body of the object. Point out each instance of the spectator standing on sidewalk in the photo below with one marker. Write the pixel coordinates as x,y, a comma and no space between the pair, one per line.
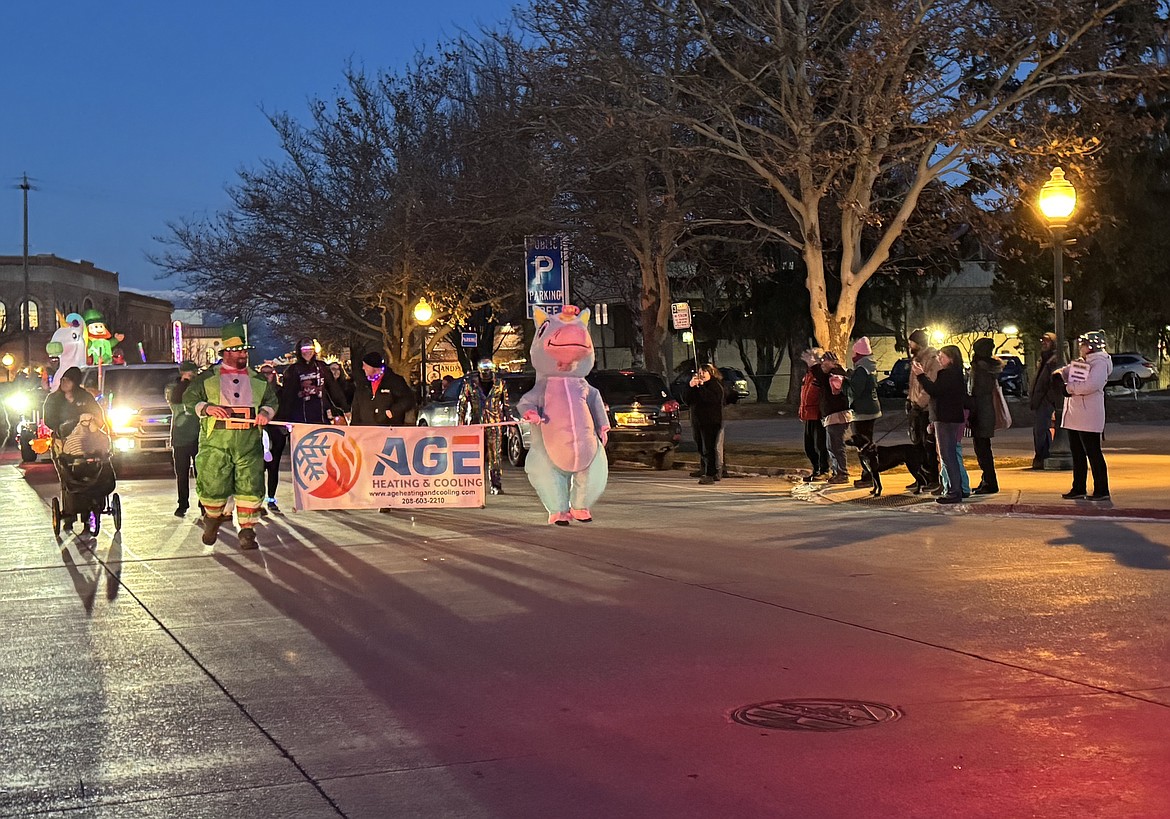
1084,415
1043,397
815,444
948,405
705,397
985,370
918,407
863,393
835,412
184,435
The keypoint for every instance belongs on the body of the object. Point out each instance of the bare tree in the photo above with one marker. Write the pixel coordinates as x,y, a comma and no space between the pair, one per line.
849,111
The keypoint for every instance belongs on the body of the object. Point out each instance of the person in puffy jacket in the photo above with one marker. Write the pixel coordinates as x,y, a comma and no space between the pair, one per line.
1084,415
815,444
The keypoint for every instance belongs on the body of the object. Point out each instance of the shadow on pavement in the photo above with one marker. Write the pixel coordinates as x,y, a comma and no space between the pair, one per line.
1128,547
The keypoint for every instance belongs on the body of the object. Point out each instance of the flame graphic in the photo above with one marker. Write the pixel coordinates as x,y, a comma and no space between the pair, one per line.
343,465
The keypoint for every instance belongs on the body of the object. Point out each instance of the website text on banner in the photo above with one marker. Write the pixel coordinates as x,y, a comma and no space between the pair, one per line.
376,467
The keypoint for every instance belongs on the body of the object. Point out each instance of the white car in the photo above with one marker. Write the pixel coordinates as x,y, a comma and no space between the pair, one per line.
1131,370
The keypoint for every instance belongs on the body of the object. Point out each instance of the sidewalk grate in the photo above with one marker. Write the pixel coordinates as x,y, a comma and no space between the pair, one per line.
894,501
814,715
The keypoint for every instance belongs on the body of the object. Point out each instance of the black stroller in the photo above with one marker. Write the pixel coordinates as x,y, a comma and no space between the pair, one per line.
87,490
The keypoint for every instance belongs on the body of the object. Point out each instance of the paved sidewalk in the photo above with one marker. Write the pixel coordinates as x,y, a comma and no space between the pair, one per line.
1139,485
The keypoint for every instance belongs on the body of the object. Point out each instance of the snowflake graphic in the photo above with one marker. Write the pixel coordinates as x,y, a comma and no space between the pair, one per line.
310,454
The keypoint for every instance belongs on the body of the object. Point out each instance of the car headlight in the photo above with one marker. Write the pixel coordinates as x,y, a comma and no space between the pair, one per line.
120,418
19,403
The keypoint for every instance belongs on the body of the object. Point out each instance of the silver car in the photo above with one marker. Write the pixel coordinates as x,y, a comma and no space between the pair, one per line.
1131,370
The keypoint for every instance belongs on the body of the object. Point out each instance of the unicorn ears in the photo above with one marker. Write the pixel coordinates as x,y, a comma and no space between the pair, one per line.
539,316
585,314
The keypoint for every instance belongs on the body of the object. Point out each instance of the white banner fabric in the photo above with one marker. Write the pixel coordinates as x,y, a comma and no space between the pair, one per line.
337,467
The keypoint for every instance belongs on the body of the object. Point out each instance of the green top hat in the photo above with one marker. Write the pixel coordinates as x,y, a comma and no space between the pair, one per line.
91,315
234,336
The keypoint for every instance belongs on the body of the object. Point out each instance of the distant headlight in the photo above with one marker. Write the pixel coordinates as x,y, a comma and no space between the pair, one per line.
123,444
19,402
120,418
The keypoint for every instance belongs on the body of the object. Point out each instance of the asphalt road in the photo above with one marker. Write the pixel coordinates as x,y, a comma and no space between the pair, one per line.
477,663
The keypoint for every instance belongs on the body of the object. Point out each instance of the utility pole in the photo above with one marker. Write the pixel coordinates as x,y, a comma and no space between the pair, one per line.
25,187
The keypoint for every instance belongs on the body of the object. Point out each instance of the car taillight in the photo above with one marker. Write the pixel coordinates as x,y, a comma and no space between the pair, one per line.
670,407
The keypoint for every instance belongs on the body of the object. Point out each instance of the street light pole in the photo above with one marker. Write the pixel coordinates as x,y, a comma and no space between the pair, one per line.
24,187
423,315
1058,198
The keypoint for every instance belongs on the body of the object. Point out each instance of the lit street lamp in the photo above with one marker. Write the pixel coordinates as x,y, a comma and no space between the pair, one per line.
423,315
8,361
1058,199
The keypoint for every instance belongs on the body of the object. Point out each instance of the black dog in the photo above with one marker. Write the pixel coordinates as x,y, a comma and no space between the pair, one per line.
878,459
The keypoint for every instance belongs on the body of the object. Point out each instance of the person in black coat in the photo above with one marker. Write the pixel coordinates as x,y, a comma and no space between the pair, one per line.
985,370
1044,397
308,393
948,413
382,397
705,397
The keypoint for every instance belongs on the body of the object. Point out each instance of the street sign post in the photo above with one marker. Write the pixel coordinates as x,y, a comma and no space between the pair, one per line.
546,273
680,315
469,339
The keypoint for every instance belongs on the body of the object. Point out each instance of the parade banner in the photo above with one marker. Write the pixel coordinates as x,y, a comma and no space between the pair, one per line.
338,467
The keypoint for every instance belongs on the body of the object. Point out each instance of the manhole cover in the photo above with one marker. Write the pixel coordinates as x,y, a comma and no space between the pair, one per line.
814,715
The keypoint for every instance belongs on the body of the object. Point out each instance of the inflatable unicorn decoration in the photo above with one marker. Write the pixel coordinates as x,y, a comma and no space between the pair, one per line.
566,463
68,344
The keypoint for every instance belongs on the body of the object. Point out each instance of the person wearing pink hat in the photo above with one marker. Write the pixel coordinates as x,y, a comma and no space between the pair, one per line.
863,391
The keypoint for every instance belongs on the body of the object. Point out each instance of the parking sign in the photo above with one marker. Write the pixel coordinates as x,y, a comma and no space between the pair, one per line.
546,273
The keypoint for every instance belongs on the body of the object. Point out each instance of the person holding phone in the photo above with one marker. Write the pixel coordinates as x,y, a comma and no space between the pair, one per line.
705,397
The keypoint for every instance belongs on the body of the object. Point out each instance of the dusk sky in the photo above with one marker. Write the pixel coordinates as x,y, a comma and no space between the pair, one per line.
126,115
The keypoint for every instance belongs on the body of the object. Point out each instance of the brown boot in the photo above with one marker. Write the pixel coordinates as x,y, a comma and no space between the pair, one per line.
248,538
211,529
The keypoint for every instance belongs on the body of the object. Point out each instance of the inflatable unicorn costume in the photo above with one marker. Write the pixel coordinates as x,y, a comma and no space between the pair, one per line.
566,461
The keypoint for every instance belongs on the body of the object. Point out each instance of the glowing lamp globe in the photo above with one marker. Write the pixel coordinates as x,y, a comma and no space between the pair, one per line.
423,312
1058,199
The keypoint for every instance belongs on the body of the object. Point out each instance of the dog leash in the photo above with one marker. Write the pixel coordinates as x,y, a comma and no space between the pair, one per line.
894,428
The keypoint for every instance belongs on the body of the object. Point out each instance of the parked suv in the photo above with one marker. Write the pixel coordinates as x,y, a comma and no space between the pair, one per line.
133,397
644,419
1131,370
896,384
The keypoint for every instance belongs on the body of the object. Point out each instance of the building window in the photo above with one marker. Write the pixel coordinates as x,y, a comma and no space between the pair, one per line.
3,317
34,318
87,304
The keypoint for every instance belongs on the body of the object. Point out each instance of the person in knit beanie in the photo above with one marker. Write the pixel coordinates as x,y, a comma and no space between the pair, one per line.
864,398
918,408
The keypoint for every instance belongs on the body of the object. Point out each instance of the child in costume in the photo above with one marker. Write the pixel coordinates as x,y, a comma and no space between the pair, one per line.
566,461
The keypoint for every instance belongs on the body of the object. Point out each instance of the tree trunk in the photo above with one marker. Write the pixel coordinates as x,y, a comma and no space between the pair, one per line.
655,309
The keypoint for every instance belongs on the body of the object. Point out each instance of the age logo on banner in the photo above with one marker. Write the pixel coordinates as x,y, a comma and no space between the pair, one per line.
327,463
377,467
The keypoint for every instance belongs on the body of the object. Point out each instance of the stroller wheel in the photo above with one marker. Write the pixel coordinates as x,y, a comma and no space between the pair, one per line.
56,517
116,511
94,523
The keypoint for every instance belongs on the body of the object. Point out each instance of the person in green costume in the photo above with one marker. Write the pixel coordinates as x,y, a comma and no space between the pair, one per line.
100,347
233,403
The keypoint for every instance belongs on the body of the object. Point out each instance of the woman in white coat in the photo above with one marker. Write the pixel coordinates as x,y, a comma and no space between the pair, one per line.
1084,415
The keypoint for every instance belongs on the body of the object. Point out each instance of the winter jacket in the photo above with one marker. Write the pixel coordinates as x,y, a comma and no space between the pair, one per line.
831,402
984,377
810,398
706,403
928,358
863,386
61,414
309,394
386,405
184,422
948,395
1084,409
1043,390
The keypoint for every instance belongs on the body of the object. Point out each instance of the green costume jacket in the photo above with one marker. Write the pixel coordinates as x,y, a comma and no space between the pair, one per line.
204,390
